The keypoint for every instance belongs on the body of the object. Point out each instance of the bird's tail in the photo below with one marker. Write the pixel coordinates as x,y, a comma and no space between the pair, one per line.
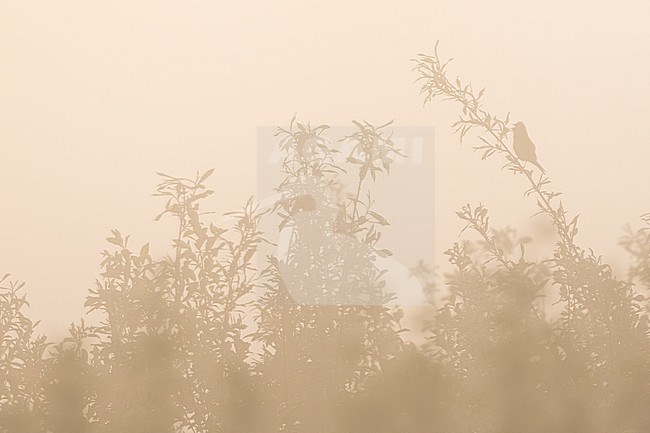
538,165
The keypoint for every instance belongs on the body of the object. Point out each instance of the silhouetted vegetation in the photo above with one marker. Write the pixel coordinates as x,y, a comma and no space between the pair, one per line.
219,336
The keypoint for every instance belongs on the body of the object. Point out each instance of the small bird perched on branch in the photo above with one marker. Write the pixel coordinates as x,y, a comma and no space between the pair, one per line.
524,147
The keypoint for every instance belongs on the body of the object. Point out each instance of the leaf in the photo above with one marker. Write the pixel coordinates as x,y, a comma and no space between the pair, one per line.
354,160
116,239
249,255
206,175
380,219
384,253
363,172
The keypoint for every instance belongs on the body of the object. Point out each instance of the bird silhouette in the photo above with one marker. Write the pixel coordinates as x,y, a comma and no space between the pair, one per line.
524,146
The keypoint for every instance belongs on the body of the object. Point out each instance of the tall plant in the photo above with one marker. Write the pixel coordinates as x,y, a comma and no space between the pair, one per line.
601,331
172,352
323,322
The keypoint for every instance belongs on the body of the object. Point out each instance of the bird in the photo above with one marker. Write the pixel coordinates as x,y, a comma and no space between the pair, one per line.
524,146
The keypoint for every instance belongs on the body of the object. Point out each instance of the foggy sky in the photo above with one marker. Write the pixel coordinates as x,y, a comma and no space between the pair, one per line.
95,97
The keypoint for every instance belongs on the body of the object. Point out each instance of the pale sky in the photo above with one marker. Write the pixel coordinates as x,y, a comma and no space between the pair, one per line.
96,96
